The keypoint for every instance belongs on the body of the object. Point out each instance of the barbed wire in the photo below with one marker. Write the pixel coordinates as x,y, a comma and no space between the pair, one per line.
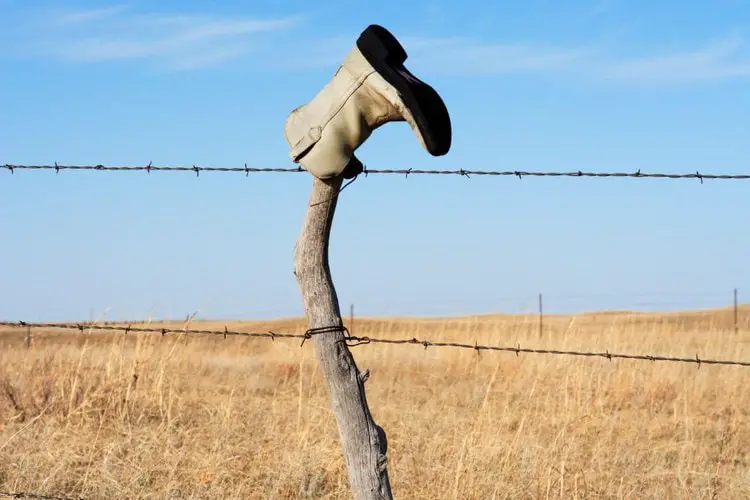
405,172
37,496
374,340
163,331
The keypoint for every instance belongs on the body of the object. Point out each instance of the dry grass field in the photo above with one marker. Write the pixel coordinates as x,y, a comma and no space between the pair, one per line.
105,415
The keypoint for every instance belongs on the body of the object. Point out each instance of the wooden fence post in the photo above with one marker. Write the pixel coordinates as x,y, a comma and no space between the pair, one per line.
364,443
541,316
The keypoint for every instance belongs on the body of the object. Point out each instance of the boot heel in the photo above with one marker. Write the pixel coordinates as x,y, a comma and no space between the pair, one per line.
378,44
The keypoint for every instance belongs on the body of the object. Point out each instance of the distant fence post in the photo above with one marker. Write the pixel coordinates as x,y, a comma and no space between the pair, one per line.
736,314
28,337
541,316
364,443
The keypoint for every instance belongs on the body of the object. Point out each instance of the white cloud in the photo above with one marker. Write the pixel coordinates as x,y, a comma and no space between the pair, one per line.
171,41
448,55
191,41
722,59
66,18
714,61
467,56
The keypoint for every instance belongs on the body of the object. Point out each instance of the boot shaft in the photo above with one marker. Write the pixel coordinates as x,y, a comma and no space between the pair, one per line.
353,103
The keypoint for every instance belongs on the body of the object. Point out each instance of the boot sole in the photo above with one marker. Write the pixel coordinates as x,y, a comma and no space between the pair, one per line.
384,52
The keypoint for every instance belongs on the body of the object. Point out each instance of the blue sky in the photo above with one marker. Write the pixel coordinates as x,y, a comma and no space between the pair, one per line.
539,85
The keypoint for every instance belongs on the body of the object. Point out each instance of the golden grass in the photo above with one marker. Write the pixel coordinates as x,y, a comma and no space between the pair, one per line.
143,416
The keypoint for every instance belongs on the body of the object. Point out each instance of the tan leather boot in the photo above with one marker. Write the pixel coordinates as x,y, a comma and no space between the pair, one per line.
371,87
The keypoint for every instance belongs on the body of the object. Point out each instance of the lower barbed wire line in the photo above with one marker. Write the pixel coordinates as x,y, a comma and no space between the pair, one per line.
517,350
126,329
374,340
37,496
406,172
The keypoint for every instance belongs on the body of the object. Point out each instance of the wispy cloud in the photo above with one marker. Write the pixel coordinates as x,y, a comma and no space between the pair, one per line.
175,41
459,55
449,55
67,18
716,60
182,42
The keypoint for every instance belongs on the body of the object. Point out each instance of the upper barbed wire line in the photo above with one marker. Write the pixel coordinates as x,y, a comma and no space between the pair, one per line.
149,167
406,172
373,340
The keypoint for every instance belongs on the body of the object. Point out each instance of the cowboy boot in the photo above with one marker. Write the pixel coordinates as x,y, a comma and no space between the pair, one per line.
371,87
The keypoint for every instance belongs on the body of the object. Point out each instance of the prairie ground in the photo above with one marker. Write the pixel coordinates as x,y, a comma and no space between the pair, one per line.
105,415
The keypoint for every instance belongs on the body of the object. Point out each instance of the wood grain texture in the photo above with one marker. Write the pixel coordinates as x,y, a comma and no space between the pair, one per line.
364,443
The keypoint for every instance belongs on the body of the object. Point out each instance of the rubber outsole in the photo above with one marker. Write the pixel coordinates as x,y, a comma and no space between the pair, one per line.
386,54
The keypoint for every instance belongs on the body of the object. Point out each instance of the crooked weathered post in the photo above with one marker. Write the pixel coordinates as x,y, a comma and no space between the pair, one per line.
364,443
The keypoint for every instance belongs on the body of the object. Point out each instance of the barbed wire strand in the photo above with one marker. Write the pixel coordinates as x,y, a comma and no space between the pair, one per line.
374,340
37,496
148,168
